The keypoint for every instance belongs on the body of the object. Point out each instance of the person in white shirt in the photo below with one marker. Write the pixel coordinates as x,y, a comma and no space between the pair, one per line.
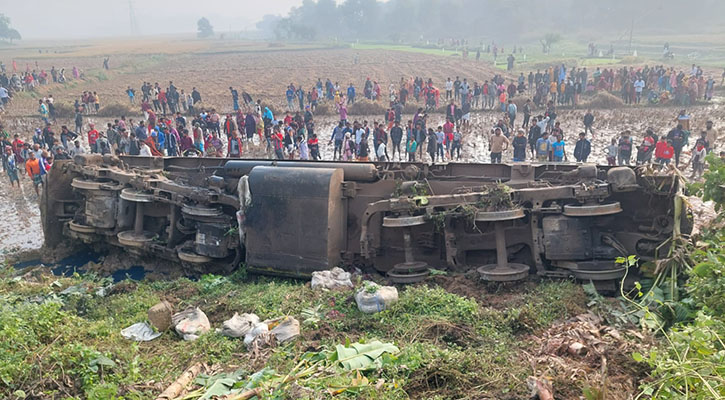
381,152
144,150
76,149
449,89
359,133
638,86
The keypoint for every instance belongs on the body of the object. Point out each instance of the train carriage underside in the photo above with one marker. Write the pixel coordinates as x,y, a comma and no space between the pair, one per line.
292,218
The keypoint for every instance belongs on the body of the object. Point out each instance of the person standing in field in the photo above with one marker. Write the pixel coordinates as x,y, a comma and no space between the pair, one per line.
527,114
235,98
32,167
411,146
588,122
676,137
558,150
543,147
663,152
11,167
612,151
93,136
432,145
351,94
582,148
519,144
511,110
498,143
396,135
698,159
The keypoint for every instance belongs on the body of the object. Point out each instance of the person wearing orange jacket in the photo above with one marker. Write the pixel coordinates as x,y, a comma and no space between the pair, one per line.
32,167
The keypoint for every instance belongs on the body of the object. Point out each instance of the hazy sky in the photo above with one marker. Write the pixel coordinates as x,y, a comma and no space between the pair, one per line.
59,19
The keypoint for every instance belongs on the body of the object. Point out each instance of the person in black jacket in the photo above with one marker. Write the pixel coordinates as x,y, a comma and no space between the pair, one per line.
583,148
452,111
519,145
588,122
534,134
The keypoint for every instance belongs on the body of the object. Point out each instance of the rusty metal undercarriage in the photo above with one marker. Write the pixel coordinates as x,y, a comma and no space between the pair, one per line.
294,218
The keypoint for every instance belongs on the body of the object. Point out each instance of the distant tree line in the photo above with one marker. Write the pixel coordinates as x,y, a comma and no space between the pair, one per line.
413,20
7,33
204,29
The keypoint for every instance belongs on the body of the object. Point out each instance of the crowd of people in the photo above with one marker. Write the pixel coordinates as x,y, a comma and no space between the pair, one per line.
13,80
175,124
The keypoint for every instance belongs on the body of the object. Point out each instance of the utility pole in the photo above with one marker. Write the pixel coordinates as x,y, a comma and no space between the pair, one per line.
132,19
631,32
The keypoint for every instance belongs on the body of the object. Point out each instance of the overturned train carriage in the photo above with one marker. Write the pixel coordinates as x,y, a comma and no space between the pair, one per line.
292,218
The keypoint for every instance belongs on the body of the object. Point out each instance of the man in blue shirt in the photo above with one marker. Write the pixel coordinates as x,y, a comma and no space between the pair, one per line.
235,98
141,131
543,146
351,94
338,133
558,149
160,140
290,94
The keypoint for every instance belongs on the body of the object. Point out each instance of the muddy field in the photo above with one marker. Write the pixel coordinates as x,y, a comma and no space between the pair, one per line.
263,74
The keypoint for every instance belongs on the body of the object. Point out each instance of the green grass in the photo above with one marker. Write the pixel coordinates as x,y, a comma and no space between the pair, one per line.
405,48
451,346
707,50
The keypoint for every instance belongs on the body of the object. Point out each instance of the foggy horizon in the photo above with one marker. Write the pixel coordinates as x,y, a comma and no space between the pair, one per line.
359,19
108,19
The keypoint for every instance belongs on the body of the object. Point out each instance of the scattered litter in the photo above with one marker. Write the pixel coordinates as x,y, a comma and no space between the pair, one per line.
160,315
372,298
191,323
239,325
335,278
540,388
287,328
281,329
579,350
256,330
140,332
102,291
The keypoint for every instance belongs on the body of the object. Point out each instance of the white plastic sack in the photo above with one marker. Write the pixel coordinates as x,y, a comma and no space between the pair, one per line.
191,323
332,279
375,301
256,331
140,332
239,325
287,329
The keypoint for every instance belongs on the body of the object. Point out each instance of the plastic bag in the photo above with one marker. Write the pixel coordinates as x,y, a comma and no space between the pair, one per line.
191,323
256,331
332,279
140,332
239,325
372,298
286,329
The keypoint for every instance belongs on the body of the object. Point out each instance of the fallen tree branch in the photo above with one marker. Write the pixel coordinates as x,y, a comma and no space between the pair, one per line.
246,395
178,386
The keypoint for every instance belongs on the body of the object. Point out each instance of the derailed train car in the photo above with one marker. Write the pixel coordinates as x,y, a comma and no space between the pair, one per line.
292,218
